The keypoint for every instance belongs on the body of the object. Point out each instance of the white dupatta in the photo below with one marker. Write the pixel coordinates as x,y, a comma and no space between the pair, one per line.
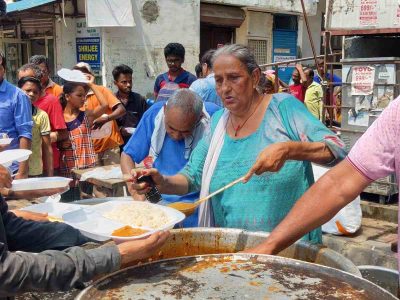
206,217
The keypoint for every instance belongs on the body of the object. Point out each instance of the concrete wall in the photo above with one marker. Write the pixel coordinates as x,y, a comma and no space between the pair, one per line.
281,6
257,25
65,43
315,13
141,47
349,14
315,27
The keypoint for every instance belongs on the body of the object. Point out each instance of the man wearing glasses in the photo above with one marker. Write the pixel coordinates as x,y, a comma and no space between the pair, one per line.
168,132
176,77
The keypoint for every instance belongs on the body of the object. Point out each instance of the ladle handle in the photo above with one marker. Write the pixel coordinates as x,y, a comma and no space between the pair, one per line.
229,185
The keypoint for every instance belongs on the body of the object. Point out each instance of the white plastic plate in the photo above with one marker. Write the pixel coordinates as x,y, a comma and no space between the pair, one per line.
72,75
7,157
90,221
6,141
41,183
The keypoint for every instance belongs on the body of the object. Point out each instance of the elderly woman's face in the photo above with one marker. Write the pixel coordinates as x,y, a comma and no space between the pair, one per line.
234,84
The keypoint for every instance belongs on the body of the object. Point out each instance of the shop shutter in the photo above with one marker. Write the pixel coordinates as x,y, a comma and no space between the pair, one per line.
284,48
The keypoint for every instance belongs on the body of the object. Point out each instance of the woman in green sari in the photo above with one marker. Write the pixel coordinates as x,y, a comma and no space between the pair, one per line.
251,122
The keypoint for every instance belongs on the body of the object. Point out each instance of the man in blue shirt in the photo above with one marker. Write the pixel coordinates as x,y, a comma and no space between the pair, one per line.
176,77
205,87
336,80
168,131
15,118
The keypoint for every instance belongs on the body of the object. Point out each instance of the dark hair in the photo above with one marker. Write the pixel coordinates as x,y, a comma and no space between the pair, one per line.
39,59
198,70
26,79
34,68
207,58
3,59
68,88
121,69
310,72
174,49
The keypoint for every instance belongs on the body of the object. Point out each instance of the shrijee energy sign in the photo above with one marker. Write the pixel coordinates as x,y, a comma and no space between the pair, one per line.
88,50
88,43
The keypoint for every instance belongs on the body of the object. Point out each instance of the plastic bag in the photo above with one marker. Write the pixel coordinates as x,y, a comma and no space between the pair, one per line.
348,220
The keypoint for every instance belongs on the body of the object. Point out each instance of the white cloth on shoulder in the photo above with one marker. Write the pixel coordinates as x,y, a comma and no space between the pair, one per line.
159,132
206,217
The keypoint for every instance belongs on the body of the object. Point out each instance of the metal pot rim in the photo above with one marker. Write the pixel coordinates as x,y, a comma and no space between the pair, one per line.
264,258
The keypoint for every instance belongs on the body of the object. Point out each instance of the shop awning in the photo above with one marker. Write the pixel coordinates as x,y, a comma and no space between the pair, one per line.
221,15
26,4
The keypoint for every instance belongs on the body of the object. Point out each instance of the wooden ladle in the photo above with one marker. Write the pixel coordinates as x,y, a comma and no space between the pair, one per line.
188,208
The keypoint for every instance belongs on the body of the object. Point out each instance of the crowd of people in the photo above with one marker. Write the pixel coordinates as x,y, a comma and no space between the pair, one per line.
201,133
79,126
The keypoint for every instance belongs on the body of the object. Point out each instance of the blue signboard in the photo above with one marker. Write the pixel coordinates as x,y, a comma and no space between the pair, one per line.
88,51
284,48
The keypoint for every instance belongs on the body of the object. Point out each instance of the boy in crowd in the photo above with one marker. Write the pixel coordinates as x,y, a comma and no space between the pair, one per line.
134,103
176,77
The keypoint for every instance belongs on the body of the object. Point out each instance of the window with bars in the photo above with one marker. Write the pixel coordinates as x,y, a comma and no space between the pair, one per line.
259,49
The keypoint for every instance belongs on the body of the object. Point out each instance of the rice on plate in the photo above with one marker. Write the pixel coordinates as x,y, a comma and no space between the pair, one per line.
138,214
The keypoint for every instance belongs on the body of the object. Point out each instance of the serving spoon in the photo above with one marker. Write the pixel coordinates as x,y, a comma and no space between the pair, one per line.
188,208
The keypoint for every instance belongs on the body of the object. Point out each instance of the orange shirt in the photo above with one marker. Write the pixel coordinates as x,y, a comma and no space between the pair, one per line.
114,139
54,89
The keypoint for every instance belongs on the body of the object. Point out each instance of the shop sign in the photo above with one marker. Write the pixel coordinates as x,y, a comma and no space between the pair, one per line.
88,42
283,58
362,82
369,12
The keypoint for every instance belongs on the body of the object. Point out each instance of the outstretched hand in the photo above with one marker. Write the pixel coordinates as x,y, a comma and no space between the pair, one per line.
139,249
271,159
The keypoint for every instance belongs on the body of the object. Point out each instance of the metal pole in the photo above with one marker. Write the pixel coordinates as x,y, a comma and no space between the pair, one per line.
327,39
323,82
309,33
287,62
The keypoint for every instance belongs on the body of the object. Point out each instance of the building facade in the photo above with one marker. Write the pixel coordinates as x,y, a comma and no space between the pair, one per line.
273,29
